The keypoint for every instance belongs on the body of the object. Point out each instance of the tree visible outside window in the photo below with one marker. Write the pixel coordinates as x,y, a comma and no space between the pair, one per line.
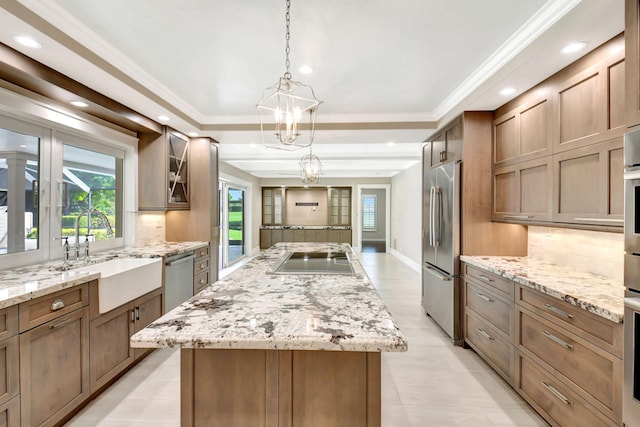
369,212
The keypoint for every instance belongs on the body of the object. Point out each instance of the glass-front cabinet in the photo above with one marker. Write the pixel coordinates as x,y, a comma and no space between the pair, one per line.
340,206
163,172
272,206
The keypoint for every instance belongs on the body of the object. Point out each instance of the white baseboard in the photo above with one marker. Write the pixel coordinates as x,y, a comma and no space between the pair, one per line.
408,261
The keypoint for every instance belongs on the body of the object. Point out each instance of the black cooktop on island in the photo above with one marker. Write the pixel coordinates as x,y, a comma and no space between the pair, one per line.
324,262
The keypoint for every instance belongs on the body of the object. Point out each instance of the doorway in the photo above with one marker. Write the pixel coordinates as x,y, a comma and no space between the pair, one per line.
373,222
232,213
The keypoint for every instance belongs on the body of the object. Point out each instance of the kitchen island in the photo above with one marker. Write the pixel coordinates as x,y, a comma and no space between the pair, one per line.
265,349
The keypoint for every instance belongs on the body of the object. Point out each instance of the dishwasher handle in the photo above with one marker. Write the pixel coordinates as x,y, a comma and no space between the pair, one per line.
178,261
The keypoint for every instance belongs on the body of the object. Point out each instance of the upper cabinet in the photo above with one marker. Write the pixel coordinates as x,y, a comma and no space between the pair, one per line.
272,206
557,148
445,145
340,206
632,53
163,171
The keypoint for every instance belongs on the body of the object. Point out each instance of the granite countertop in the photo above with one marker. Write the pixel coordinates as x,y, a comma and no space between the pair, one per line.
25,283
305,227
597,294
250,309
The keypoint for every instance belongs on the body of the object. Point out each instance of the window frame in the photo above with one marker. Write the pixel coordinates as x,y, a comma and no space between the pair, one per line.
365,214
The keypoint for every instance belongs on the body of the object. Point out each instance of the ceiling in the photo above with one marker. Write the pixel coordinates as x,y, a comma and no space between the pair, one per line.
388,72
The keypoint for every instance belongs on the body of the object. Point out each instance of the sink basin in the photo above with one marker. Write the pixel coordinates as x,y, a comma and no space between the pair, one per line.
125,279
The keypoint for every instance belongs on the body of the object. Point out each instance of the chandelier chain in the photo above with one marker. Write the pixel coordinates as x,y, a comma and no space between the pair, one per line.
287,50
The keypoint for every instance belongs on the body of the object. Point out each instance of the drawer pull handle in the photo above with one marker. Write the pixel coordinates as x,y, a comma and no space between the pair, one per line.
57,305
557,340
202,253
59,324
556,393
484,297
201,266
137,309
485,278
484,334
516,216
202,281
133,316
559,312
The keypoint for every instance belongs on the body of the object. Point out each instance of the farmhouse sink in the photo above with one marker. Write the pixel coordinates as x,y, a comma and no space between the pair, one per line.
125,279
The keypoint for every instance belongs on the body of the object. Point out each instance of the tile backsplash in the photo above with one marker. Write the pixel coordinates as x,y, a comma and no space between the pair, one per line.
150,228
593,251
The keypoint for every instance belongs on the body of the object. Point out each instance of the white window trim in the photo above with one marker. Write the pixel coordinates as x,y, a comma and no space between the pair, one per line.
375,213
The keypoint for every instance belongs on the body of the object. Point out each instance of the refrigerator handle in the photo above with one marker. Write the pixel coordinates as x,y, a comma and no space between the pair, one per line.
431,212
436,273
437,226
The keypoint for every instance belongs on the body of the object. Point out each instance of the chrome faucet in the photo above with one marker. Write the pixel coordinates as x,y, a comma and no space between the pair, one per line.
86,241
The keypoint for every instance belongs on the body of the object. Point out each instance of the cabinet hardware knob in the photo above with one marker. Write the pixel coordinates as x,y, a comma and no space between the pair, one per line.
556,393
202,281
559,312
484,334
201,266
484,297
557,340
57,305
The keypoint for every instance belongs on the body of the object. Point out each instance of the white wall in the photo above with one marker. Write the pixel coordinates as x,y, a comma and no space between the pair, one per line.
406,214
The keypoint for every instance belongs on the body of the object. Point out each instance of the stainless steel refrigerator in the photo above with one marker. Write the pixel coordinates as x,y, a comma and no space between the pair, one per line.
441,247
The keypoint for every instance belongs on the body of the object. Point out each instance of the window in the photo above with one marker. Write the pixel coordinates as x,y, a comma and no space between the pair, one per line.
369,213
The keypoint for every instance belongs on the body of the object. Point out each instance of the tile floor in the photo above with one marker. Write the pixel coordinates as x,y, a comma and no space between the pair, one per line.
434,384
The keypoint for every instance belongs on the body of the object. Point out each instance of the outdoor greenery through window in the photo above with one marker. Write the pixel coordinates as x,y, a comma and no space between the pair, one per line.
368,212
91,194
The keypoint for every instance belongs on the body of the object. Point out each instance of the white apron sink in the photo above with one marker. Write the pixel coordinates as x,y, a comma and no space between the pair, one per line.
125,279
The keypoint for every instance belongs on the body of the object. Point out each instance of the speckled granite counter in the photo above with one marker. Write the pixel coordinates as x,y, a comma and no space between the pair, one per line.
597,294
305,227
24,283
250,309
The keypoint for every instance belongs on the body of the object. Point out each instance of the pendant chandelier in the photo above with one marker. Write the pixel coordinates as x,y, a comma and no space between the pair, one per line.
310,168
283,105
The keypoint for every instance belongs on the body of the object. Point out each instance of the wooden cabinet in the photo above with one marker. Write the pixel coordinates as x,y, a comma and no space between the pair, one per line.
109,335
340,206
488,324
10,413
632,54
523,134
9,368
588,184
54,367
273,206
565,361
163,171
523,192
269,237
201,269
445,145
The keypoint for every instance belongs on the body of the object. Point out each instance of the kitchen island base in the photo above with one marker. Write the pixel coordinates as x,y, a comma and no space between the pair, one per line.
279,388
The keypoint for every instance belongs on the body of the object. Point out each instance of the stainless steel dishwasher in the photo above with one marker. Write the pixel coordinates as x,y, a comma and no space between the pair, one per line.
178,281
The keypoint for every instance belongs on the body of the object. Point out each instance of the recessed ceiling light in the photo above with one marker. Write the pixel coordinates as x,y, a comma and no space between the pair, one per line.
23,146
163,118
508,91
193,134
573,47
391,143
80,104
305,69
27,41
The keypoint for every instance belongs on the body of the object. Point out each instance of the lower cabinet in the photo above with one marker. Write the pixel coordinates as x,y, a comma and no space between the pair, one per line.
110,332
269,237
54,368
565,361
10,413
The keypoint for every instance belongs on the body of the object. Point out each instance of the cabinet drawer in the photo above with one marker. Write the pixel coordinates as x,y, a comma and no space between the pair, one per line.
9,369
10,413
555,401
597,373
8,322
202,252
200,265
491,307
200,281
490,280
601,332
498,352
46,308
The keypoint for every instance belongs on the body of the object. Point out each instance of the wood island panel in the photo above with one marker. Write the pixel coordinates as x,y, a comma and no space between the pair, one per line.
273,388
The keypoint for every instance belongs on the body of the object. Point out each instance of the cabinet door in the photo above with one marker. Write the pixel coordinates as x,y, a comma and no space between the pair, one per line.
147,309
522,192
10,413
589,185
345,236
178,171
310,235
54,368
110,352
632,69
9,369
438,150
333,236
265,239
340,206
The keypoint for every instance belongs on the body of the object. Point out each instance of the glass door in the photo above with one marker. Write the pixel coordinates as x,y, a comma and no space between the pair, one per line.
232,238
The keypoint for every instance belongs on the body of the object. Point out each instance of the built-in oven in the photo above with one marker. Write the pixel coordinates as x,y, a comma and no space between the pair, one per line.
631,383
